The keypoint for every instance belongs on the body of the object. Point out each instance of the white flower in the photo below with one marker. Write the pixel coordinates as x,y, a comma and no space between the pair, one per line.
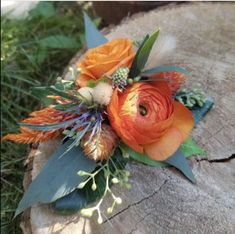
102,93
86,92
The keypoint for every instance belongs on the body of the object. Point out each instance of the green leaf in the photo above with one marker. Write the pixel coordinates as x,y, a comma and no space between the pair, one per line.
179,161
59,42
165,68
190,147
80,198
41,55
43,9
41,95
143,54
53,90
57,178
93,37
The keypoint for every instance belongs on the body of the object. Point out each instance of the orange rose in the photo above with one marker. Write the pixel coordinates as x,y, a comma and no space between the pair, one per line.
148,120
105,59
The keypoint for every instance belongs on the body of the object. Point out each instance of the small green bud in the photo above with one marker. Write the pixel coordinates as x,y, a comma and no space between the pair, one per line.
100,220
127,173
94,187
82,173
136,79
110,210
87,212
81,185
115,180
128,186
130,81
118,200
125,154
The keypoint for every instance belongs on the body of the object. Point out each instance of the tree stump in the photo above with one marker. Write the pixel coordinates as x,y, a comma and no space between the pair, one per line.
162,200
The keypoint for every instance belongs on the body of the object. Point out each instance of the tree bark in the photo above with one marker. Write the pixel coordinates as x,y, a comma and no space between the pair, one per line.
201,37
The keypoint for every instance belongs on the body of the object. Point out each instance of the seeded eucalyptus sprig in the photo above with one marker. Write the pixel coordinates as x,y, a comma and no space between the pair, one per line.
113,173
191,97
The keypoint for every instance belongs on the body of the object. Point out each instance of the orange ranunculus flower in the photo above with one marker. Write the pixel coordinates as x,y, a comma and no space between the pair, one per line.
148,120
105,59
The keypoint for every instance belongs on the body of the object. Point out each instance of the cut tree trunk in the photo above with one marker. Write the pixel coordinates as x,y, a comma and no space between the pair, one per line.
162,200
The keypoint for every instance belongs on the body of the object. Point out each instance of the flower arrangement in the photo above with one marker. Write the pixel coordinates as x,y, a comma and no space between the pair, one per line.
110,111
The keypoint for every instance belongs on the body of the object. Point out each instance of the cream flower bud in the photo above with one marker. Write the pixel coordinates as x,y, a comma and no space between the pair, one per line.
100,220
94,187
102,93
110,210
118,200
81,185
115,180
87,212
86,92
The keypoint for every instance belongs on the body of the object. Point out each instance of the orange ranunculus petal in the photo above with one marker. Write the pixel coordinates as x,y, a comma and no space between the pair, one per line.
182,125
163,87
183,119
166,146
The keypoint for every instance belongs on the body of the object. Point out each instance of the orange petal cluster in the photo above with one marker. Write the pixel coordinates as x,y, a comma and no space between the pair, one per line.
147,119
45,116
104,60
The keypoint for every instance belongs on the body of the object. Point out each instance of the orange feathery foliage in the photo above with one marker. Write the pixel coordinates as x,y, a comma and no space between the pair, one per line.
175,79
42,117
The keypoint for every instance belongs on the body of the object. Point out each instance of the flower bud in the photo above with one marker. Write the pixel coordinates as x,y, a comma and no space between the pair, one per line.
81,185
128,186
109,210
115,180
82,173
130,81
118,200
137,78
94,187
87,212
100,220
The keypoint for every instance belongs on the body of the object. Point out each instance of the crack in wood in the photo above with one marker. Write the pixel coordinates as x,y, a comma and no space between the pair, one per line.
139,222
217,160
136,203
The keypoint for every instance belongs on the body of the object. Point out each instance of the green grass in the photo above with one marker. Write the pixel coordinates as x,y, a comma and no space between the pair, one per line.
34,52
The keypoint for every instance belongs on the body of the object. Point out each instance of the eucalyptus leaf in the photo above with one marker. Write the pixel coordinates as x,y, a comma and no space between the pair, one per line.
57,178
80,198
179,161
143,54
93,37
165,68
